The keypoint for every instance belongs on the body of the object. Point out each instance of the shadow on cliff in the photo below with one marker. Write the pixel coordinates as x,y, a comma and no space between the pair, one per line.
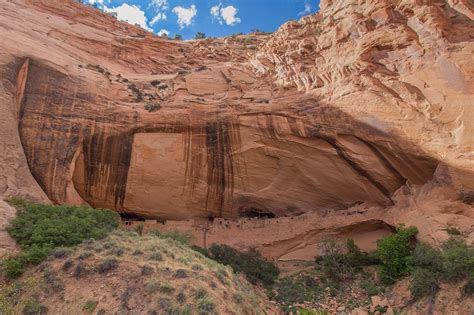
60,120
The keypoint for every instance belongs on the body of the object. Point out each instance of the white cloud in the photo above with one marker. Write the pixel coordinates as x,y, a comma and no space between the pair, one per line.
163,32
229,15
97,1
160,7
225,14
307,8
131,14
215,12
185,15
161,16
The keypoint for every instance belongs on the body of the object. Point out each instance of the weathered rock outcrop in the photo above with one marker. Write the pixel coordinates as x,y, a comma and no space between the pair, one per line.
341,108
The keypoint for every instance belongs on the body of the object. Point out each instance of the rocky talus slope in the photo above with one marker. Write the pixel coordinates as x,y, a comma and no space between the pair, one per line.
365,105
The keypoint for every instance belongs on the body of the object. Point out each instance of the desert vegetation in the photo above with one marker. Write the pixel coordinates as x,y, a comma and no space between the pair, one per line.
200,35
42,230
68,245
182,281
250,263
350,277
158,271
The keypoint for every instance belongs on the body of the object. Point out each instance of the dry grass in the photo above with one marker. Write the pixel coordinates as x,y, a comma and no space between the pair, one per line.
117,279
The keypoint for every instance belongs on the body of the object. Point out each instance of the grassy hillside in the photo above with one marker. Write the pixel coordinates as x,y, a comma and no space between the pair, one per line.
125,273
75,260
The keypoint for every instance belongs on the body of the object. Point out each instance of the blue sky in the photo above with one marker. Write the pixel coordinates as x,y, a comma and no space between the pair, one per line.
216,18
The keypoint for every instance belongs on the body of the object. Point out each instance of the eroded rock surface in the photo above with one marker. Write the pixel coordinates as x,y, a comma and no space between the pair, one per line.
339,109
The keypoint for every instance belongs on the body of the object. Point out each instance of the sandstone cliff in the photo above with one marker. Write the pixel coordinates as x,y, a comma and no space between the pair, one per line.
340,109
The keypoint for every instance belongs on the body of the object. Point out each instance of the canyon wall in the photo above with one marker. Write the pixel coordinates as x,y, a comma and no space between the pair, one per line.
350,107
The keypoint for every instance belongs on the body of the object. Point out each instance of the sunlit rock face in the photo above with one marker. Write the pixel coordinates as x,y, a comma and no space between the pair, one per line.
341,108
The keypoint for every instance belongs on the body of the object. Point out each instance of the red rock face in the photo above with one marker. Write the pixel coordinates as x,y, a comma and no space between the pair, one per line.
340,108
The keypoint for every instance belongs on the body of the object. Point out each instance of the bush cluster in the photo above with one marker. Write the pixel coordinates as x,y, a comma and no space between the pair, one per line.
393,252
340,263
295,289
452,263
399,255
40,228
250,263
200,35
107,265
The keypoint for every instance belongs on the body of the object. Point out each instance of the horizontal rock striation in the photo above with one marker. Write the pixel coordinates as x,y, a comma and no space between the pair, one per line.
340,108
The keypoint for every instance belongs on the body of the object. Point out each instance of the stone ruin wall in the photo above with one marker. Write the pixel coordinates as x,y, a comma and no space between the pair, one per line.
287,238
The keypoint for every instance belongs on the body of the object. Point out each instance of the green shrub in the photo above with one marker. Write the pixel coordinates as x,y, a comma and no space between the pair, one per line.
332,262
205,306
197,267
458,262
222,275
61,252
295,289
13,268
199,293
55,226
109,245
181,297
424,282
251,263
199,35
156,256
53,283
152,287
107,265
238,298
371,289
393,252
119,251
67,265
79,270
33,307
40,228
339,263
451,230
357,258
98,248
137,252
147,270
166,288
85,255
428,266
201,250
425,265
425,256
180,274
468,288
17,202
90,306
34,255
